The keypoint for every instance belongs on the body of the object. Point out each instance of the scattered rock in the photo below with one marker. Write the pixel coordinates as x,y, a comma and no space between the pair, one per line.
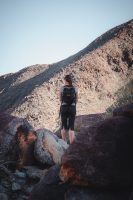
28,190
16,186
49,187
20,174
2,189
34,173
3,196
5,182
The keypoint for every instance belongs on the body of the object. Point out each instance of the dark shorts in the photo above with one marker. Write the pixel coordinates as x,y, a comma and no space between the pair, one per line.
68,116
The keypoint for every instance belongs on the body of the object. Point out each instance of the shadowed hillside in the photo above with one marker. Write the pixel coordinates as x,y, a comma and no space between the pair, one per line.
100,70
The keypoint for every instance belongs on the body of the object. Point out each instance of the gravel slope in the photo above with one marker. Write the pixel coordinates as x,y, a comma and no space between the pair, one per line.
100,70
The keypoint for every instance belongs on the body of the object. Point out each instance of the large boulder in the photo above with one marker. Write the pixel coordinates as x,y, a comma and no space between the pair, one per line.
48,147
8,141
50,187
87,120
77,193
126,110
101,156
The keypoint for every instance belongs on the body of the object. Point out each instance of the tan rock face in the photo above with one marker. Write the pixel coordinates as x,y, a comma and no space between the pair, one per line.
99,72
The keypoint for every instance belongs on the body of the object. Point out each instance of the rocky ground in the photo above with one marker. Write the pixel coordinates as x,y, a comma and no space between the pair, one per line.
97,166
18,184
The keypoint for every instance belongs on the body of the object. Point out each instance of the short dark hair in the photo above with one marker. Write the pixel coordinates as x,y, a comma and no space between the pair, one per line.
68,78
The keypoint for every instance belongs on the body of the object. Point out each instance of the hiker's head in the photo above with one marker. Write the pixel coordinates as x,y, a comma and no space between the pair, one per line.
68,79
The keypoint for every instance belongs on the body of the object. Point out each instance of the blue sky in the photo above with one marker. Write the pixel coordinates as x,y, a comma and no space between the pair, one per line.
47,31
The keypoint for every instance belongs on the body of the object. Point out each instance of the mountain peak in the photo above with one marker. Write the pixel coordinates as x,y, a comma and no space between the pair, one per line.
100,71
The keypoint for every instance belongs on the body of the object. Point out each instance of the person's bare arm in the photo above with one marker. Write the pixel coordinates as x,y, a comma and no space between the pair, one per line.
76,97
60,96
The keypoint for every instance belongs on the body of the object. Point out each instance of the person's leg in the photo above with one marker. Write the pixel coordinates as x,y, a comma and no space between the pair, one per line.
64,134
64,123
71,124
71,136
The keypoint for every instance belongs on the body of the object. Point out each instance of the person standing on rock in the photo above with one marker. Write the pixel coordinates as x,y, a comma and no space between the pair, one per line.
68,98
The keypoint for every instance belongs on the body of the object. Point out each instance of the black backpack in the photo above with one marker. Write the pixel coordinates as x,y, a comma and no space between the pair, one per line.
69,95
